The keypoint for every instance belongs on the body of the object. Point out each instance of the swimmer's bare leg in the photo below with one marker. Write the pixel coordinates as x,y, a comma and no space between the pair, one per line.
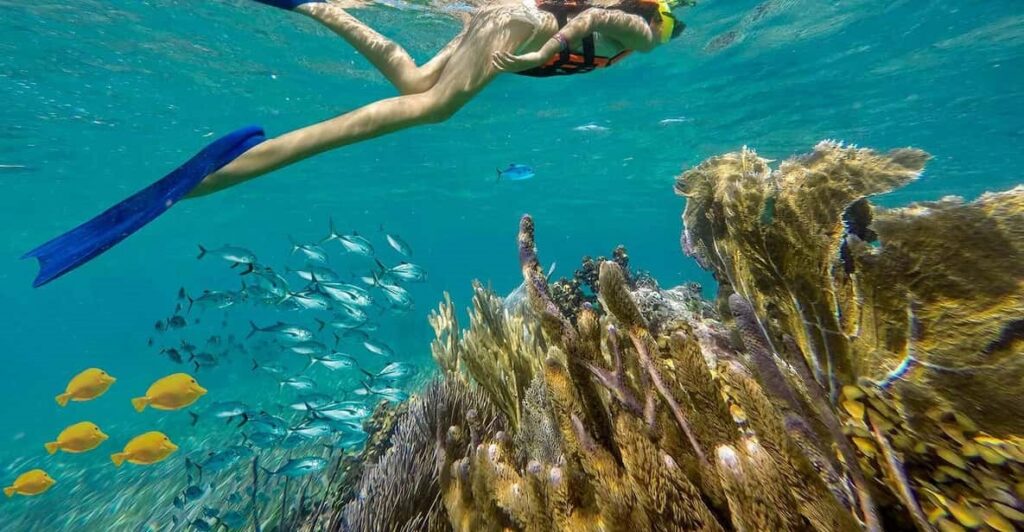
469,70
386,55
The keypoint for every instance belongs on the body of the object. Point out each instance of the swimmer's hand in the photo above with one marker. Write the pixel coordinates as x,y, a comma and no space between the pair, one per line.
509,62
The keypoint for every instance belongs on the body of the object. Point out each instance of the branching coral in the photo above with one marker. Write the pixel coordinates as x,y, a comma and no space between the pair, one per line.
862,373
500,350
400,488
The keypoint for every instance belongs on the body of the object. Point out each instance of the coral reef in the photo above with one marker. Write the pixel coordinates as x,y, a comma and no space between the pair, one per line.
858,370
910,318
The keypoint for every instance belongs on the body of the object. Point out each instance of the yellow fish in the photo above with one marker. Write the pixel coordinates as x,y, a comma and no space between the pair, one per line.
87,385
30,483
77,438
170,393
145,449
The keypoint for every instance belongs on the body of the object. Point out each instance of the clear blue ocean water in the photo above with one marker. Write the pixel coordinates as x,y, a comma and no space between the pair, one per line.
99,99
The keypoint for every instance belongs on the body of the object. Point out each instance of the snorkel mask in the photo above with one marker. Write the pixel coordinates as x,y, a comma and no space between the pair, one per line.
670,26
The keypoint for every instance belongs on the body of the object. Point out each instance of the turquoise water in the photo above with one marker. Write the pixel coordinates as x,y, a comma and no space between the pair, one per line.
101,98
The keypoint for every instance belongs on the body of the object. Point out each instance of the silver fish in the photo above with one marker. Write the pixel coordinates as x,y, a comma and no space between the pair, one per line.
316,428
346,294
311,401
213,299
299,383
283,331
405,271
309,347
270,281
234,254
394,370
516,297
348,318
299,467
343,412
378,348
398,296
314,272
312,251
270,367
332,361
352,243
391,394
308,300
398,244
264,422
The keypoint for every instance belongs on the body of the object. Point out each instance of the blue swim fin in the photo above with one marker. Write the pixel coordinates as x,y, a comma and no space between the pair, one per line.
87,241
287,4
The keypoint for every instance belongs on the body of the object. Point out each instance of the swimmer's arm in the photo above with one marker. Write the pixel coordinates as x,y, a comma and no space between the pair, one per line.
629,30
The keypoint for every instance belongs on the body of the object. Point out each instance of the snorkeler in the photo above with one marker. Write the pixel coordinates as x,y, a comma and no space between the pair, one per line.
529,37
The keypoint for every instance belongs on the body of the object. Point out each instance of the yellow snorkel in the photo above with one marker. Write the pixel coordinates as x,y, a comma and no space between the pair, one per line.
668,22
670,26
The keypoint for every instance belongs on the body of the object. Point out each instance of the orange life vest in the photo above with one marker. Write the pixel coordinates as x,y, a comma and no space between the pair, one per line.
569,62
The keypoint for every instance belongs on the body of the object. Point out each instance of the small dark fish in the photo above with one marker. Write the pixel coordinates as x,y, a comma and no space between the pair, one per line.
173,354
149,342
516,172
202,360
213,340
160,326
187,347
176,322
234,518
181,294
194,492
211,513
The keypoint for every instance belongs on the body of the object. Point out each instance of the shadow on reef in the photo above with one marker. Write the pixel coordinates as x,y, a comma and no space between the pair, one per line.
861,371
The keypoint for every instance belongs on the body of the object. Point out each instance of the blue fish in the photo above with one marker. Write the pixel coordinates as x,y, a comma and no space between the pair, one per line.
516,172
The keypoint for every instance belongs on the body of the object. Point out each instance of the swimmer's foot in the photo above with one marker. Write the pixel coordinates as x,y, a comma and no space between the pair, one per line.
288,4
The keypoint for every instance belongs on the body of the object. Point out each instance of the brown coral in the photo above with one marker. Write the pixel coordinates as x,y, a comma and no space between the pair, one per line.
866,376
